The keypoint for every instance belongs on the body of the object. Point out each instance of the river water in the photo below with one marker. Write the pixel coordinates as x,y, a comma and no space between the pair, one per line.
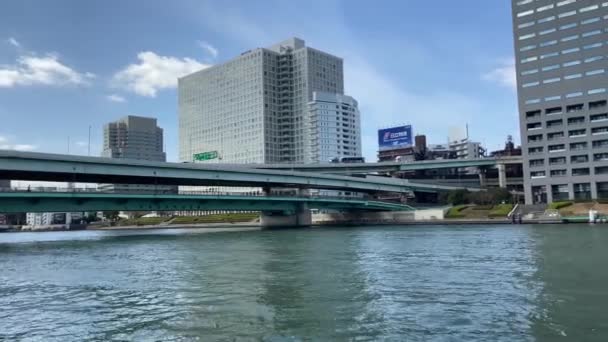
417,283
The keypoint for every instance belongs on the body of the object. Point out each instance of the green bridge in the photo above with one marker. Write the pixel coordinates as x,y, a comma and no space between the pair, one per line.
85,201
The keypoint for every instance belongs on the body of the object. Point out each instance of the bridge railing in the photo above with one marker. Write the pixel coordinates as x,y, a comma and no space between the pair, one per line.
213,193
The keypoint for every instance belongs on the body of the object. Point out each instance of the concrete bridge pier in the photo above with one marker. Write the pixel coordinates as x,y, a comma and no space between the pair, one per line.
300,217
502,175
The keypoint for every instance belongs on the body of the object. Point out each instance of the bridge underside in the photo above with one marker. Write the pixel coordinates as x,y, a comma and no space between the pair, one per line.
75,202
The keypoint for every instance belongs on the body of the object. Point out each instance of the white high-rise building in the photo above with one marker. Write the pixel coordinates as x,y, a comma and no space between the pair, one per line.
256,108
335,128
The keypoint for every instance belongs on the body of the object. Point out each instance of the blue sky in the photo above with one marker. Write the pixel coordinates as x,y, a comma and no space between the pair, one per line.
68,64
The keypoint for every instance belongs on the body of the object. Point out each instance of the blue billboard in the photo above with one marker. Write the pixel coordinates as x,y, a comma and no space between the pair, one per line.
395,137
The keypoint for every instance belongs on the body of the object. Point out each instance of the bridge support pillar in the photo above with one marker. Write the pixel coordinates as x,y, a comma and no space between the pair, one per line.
482,178
502,175
300,218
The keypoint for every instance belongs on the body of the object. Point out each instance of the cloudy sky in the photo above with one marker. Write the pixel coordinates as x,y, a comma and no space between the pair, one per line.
66,65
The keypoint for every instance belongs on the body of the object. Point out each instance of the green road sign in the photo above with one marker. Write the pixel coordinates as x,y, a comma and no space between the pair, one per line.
206,155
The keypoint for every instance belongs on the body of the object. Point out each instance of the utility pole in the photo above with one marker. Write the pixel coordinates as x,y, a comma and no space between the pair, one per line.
89,145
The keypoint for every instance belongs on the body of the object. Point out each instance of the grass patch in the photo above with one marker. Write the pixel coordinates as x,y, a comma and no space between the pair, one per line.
216,218
560,205
482,207
500,210
143,221
456,211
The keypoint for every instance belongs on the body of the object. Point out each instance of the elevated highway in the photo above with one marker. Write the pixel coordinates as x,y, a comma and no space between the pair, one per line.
354,168
32,166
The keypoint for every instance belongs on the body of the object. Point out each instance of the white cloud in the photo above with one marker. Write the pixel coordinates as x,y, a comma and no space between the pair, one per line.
47,70
5,144
504,74
115,98
13,42
210,49
154,73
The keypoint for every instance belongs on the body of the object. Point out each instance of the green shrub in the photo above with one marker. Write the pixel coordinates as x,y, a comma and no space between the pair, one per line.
501,210
456,211
559,205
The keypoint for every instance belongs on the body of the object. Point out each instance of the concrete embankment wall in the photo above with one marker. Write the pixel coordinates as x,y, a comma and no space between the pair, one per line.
379,217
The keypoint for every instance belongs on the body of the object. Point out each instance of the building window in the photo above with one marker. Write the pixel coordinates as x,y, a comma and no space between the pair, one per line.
537,162
601,170
557,160
535,150
592,46
556,148
537,174
573,76
552,80
524,25
602,189
583,158
529,72
535,138
596,91
550,67
572,95
533,126
569,38
599,130
600,143
594,72
559,192
567,26
555,123
552,111
532,101
547,43
533,114
578,146
571,63
566,14
582,191
531,84
577,133
555,135
597,104
574,108
600,157
576,120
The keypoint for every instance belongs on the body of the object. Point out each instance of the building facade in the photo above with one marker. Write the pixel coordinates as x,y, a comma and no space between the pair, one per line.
561,49
133,137
334,128
466,149
256,107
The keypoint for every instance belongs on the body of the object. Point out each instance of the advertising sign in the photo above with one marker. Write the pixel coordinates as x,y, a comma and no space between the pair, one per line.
395,137
206,155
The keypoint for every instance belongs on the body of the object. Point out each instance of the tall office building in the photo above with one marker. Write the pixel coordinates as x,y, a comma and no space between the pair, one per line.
133,137
256,108
561,49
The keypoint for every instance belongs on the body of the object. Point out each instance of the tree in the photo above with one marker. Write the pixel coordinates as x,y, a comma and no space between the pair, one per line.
111,215
456,197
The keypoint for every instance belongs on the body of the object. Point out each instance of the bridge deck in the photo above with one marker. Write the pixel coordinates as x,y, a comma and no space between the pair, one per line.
82,201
